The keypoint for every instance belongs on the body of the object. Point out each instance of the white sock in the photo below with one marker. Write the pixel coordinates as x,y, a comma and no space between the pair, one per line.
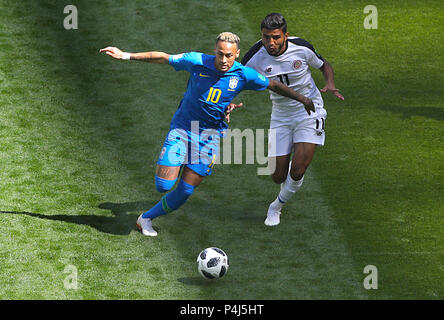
288,189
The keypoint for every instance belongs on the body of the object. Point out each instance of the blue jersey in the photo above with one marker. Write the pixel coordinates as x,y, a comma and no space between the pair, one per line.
210,91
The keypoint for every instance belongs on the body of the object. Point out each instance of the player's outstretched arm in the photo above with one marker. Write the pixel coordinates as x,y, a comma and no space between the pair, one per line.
152,56
285,91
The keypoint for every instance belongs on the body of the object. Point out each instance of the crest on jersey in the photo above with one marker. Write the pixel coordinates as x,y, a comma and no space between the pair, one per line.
297,64
233,82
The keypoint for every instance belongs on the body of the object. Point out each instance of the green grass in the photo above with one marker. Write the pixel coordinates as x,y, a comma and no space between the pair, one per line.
80,134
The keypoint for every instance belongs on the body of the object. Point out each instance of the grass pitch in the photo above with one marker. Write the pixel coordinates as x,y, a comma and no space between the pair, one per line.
80,134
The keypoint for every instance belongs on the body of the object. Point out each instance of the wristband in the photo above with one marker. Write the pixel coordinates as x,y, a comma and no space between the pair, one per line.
126,55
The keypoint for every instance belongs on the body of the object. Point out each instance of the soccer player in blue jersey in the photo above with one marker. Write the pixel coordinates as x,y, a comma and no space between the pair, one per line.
193,140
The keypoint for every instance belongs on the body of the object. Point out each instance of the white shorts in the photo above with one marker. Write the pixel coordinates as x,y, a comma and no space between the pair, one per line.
282,136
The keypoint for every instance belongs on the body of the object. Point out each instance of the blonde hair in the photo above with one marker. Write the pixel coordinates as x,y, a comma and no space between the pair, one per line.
228,37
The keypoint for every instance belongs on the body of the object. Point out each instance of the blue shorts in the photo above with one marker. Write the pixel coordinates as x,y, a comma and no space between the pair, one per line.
197,151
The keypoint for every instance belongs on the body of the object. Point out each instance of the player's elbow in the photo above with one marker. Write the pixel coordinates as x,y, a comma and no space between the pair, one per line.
165,58
325,65
279,88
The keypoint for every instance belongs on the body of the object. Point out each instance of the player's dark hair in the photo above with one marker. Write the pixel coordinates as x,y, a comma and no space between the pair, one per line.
274,21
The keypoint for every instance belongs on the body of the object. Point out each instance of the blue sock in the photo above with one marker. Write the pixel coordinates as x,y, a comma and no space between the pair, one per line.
163,185
171,201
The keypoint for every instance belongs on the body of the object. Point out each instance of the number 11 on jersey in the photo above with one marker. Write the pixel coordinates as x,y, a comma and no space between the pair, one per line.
281,78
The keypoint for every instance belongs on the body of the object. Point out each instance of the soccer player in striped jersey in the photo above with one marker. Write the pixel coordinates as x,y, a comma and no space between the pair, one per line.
298,130
214,82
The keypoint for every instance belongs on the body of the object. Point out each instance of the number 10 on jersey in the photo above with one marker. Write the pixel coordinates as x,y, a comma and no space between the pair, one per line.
214,95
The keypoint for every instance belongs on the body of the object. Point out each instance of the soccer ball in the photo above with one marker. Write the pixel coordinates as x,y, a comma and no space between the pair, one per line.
212,263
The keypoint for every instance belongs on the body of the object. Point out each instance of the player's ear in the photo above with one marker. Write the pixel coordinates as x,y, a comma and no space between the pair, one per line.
237,53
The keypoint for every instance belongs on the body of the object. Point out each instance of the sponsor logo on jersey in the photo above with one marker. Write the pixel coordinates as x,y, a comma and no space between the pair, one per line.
261,77
297,64
268,69
233,82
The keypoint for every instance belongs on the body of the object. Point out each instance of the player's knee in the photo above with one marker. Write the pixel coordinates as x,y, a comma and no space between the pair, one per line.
278,178
164,185
297,172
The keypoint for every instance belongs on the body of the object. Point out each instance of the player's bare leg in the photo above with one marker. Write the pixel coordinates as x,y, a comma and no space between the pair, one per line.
280,173
294,176
167,172
166,177
302,157
191,177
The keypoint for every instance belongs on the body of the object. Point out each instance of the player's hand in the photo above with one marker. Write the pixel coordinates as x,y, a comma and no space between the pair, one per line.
230,108
308,105
114,52
332,89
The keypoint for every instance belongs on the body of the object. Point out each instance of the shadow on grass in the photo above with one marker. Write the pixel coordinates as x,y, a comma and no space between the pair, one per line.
122,222
408,112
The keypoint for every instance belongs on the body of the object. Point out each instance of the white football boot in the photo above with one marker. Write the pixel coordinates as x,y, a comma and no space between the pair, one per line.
273,216
274,213
146,226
